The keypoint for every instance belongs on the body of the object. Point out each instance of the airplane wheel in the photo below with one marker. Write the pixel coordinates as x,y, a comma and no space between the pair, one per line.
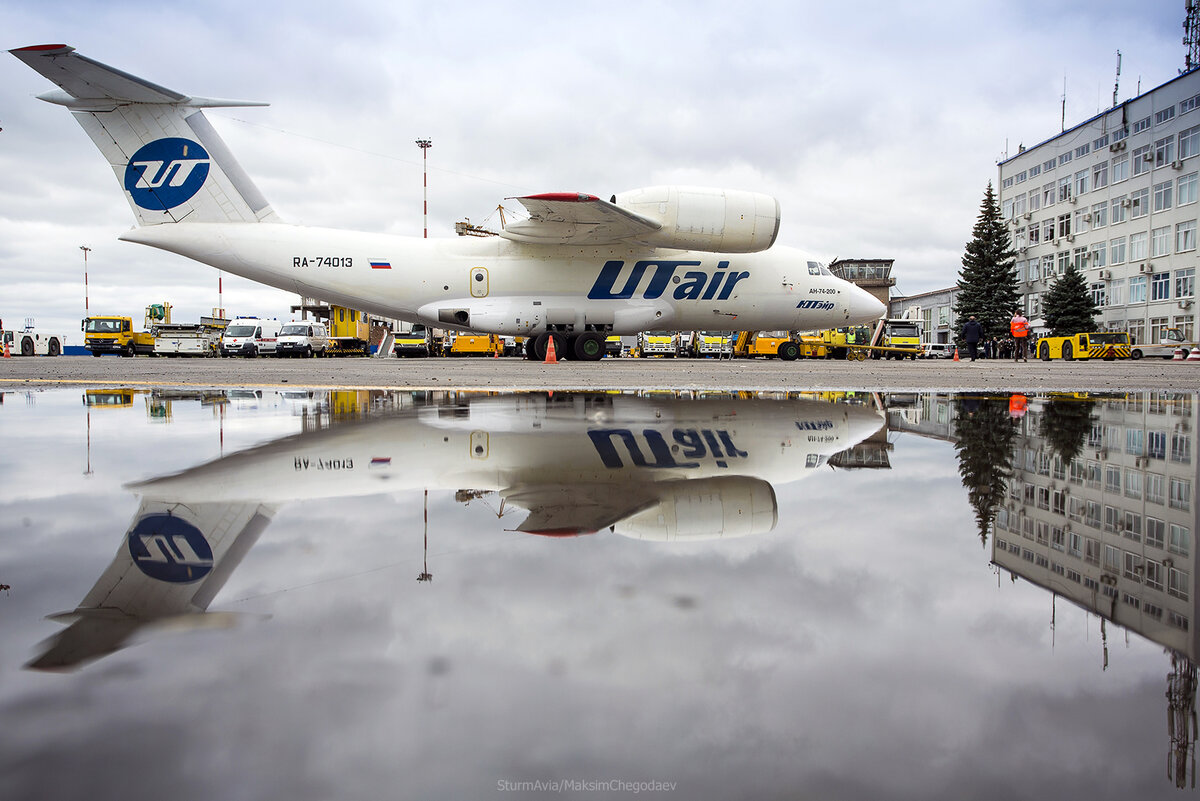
531,349
543,344
588,348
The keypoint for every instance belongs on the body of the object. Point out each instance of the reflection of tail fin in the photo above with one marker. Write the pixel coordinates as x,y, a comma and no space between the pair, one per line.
167,157
169,567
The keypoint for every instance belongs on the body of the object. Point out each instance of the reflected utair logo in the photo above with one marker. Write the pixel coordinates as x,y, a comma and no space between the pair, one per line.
166,548
165,173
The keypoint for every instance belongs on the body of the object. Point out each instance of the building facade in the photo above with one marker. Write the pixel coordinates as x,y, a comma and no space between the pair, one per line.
1117,197
934,309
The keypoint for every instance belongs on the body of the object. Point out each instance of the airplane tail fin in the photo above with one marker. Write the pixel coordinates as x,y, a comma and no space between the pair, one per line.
167,157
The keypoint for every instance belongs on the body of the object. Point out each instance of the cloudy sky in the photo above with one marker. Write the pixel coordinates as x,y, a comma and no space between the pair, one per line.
878,130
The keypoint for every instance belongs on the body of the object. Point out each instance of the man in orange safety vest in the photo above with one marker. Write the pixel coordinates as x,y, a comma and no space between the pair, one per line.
1019,327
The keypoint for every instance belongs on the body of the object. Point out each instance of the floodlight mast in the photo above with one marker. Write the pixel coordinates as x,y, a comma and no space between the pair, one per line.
425,144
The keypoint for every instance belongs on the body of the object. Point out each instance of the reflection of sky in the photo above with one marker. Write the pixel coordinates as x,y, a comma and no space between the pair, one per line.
863,649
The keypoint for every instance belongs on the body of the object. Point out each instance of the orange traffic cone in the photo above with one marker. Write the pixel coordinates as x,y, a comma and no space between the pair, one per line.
956,355
551,358
7,353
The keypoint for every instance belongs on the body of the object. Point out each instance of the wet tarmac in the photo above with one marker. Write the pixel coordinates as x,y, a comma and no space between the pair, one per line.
619,374
295,592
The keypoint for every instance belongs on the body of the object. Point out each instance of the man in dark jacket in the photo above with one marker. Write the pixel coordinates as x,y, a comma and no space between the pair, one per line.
972,332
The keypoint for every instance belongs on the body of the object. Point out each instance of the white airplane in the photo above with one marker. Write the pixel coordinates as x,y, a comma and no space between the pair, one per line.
578,269
651,469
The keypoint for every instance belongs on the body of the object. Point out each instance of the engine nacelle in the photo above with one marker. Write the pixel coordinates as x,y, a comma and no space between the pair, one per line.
705,509
700,218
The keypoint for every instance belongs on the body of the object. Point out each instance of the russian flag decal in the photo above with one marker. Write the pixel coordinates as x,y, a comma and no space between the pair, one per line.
380,264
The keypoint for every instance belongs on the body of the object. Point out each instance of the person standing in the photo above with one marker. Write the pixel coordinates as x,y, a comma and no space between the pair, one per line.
1019,326
972,332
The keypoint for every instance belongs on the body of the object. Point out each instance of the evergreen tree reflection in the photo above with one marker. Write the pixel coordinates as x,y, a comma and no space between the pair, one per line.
983,437
1065,425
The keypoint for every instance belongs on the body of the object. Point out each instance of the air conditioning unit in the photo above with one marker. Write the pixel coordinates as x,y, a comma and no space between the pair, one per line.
1028,215
1072,200
1177,165
1105,274
1087,217
1126,202
1070,237
1142,267
1114,147
1148,156
1185,304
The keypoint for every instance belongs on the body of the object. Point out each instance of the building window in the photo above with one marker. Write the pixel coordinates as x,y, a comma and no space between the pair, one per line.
1133,489
1189,104
1178,583
1189,142
1035,200
1156,444
1137,246
1137,328
1098,296
1185,236
1185,282
1100,175
1099,251
1099,215
1185,189
1164,115
1155,489
1160,286
1065,158
1162,195
1048,230
1048,195
1035,170
1120,169
1181,448
1082,182
1143,159
1164,151
1116,252
1064,189
1160,241
1139,203
1116,294
1141,125
1119,208
1180,496
1064,225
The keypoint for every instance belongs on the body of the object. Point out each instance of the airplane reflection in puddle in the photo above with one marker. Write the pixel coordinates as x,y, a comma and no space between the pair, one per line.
656,468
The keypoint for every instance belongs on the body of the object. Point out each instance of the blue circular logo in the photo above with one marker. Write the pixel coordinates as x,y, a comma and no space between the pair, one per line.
166,172
166,548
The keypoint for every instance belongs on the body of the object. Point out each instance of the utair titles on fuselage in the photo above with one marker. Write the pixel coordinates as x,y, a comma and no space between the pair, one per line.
577,269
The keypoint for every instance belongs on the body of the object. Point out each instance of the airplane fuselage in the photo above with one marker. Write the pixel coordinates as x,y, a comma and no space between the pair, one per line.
497,286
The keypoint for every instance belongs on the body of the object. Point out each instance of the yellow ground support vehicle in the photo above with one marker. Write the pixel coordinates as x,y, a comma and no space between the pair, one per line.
813,347
115,334
770,344
658,343
837,339
349,332
900,333
465,343
1107,345
711,343
415,342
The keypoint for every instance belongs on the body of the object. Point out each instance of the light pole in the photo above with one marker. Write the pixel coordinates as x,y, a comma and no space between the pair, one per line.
425,144
85,250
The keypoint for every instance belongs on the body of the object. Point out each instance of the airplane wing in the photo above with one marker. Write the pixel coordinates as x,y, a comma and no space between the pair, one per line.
566,510
567,218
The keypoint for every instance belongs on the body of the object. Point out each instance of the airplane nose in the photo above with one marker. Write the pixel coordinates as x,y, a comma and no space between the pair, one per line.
862,307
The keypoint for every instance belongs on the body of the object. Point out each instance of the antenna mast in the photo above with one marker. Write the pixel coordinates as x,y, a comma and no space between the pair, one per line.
1117,82
1191,36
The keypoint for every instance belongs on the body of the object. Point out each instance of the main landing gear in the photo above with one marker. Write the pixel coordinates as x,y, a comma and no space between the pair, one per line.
587,347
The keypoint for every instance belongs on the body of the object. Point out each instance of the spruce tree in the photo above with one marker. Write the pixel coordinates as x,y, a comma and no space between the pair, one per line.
1068,306
987,283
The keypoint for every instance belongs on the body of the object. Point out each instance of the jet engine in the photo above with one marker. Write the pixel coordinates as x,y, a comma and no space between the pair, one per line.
700,218
705,509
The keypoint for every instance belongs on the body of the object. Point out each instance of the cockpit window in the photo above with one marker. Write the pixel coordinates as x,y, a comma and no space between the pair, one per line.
816,268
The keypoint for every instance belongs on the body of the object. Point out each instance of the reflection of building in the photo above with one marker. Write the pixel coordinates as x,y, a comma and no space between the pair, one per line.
1112,531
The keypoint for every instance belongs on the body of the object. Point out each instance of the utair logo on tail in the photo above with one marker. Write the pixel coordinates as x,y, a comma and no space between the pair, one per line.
166,173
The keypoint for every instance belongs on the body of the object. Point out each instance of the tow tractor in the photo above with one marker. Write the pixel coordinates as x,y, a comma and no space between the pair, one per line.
29,341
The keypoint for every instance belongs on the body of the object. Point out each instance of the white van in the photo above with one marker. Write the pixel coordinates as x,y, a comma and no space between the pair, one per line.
938,350
250,336
302,339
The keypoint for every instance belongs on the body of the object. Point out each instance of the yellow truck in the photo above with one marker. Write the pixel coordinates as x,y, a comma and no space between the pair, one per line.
768,344
349,332
415,342
838,340
1107,345
115,334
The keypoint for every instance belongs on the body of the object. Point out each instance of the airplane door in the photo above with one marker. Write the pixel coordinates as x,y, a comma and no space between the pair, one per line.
479,282
479,445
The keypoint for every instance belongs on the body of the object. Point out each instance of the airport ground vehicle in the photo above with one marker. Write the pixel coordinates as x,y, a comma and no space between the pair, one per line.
663,344
114,334
1171,340
250,336
29,341
305,338
712,343
937,350
812,347
465,343
768,344
614,347
1107,345
838,340
349,332
415,342
187,339
900,333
